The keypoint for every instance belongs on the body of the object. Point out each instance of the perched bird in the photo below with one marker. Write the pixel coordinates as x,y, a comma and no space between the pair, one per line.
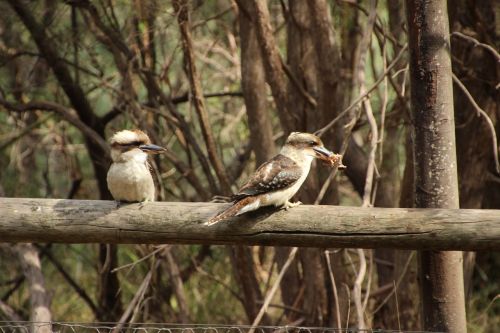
276,181
130,177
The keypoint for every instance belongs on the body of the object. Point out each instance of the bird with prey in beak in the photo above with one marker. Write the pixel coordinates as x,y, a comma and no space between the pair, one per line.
130,177
276,181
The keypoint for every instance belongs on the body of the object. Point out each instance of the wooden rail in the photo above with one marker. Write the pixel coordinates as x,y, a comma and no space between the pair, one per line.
88,221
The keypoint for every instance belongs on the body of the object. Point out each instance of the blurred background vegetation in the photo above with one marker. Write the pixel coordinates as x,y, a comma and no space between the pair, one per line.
74,72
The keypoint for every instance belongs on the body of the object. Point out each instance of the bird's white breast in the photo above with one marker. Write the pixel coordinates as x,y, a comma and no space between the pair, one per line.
131,180
279,198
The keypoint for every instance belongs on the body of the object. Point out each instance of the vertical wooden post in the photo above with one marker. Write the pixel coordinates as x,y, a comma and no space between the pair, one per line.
433,131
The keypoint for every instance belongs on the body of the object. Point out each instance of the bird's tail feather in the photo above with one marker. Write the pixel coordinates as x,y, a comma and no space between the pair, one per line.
231,211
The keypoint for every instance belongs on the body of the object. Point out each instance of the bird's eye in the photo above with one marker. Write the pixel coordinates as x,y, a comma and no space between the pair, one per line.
134,144
312,143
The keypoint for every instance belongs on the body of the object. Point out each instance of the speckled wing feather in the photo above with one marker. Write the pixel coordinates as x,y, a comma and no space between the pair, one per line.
278,173
155,179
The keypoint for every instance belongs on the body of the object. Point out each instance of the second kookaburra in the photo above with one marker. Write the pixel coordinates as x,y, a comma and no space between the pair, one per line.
130,177
276,181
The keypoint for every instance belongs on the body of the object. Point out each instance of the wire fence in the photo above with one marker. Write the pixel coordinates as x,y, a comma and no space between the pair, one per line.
71,327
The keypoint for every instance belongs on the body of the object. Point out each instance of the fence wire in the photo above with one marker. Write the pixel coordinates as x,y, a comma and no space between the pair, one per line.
71,327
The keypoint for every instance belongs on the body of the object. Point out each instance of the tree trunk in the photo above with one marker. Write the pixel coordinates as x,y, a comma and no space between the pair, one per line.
244,271
39,297
275,74
253,83
436,183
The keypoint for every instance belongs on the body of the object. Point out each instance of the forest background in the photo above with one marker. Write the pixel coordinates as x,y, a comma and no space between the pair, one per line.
220,84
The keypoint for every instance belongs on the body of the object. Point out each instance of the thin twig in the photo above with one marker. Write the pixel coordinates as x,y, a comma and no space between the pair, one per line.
132,264
369,281
322,130
309,99
367,193
273,290
334,287
13,137
185,97
398,282
139,295
397,305
9,312
348,303
62,111
222,283
178,286
477,43
79,290
357,289
385,98
486,117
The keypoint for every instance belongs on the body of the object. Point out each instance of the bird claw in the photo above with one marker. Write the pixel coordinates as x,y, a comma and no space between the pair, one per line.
289,204
118,204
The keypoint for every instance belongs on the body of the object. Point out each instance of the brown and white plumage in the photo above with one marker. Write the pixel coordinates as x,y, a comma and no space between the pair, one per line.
275,182
130,178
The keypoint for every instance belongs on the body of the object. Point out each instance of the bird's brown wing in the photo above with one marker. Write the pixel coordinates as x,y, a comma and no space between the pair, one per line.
155,178
278,173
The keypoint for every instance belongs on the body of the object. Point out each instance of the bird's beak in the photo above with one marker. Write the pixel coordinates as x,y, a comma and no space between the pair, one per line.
322,151
151,149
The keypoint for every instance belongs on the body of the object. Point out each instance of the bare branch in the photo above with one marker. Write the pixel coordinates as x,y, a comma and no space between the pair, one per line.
489,122
178,286
185,97
398,282
62,111
275,73
39,297
273,290
367,34
80,291
322,131
181,8
360,276
334,288
136,300
9,312
310,99
478,43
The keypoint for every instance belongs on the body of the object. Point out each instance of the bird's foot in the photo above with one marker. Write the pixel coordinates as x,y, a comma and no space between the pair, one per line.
143,203
289,204
118,204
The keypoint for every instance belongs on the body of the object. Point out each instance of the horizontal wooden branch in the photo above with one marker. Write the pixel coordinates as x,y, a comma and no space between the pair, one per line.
87,221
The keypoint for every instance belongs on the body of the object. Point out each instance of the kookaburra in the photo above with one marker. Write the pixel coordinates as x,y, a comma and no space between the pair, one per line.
276,181
130,177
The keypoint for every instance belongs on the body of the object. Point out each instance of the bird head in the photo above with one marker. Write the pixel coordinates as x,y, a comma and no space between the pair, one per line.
129,144
306,144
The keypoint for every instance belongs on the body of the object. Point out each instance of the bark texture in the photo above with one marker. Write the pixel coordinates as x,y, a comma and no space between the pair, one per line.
87,221
253,83
39,296
436,182
181,7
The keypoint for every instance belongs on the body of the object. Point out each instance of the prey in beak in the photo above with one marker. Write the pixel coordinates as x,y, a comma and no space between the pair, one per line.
329,158
151,149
